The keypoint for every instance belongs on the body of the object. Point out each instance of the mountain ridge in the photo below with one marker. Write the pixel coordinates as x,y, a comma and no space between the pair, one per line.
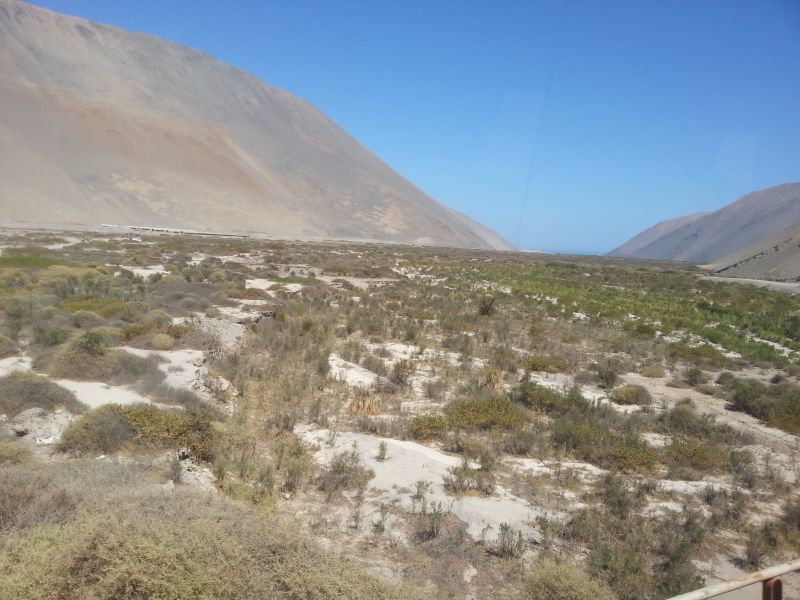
99,124
712,236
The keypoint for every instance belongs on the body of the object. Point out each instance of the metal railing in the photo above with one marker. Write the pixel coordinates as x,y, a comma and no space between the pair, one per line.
770,579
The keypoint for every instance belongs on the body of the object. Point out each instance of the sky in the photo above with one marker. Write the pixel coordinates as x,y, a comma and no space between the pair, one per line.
564,125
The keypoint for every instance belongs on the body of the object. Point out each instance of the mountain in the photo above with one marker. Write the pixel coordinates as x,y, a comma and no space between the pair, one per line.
102,125
648,236
710,237
777,258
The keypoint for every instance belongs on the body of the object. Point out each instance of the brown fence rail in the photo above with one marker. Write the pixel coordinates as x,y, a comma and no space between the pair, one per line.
770,579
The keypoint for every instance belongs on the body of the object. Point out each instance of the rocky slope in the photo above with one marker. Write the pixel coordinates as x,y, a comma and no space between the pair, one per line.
711,237
102,125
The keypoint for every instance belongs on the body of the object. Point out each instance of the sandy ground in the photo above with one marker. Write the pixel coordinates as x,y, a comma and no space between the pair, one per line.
14,363
408,462
350,373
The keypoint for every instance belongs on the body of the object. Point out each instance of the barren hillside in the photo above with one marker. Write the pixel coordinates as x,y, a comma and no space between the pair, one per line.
102,125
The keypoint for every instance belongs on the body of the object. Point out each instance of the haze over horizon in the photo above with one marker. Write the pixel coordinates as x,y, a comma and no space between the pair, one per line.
564,127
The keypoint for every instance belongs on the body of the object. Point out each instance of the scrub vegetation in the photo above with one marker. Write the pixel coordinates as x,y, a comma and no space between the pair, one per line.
275,419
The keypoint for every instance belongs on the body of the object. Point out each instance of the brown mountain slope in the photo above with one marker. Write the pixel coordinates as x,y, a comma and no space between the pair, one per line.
648,236
98,124
751,219
776,259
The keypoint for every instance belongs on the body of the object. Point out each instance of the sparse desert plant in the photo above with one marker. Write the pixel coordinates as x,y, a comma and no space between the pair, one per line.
427,427
491,412
401,372
653,371
487,305
14,453
550,580
631,394
508,545
694,376
22,389
382,454
162,341
8,347
344,471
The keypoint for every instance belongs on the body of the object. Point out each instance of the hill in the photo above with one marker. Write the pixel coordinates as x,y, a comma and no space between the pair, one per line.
711,237
102,125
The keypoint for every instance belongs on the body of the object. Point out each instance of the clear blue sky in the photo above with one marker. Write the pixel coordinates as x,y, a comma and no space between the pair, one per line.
563,125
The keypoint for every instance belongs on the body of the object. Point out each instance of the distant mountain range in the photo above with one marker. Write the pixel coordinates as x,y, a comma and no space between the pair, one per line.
752,237
102,125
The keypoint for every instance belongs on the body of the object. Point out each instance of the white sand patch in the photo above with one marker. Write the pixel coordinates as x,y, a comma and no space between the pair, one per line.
95,394
586,472
146,272
408,462
693,487
656,440
264,285
350,373
68,241
11,364
183,368
39,427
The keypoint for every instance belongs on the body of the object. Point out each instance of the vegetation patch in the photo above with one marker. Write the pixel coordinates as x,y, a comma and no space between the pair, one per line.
21,390
492,412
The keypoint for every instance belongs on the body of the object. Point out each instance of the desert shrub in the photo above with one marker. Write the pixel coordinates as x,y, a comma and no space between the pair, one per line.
463,478
8,347
102,431
110,428
777,405
51,332
14,453
28,499
547,363
694,376
87,357
519,443
105,307
606,376
344,471
427,427
600,446
683,419
485,413
653,371
695,454
538,397
631,394
548,581
401,372
704,355
162,341
177,547
487,305
22,390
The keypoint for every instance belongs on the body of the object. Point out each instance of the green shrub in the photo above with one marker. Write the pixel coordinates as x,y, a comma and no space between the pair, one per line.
8,347
87,357
485,413
344,471
631,394
105,307
177,547
551,581
427,427
14,453
653,371
538,397
547,364
162,341
694,376
695,454
110,428
22,390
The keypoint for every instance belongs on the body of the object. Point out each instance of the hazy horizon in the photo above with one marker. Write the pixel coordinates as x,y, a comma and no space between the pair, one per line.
565,127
